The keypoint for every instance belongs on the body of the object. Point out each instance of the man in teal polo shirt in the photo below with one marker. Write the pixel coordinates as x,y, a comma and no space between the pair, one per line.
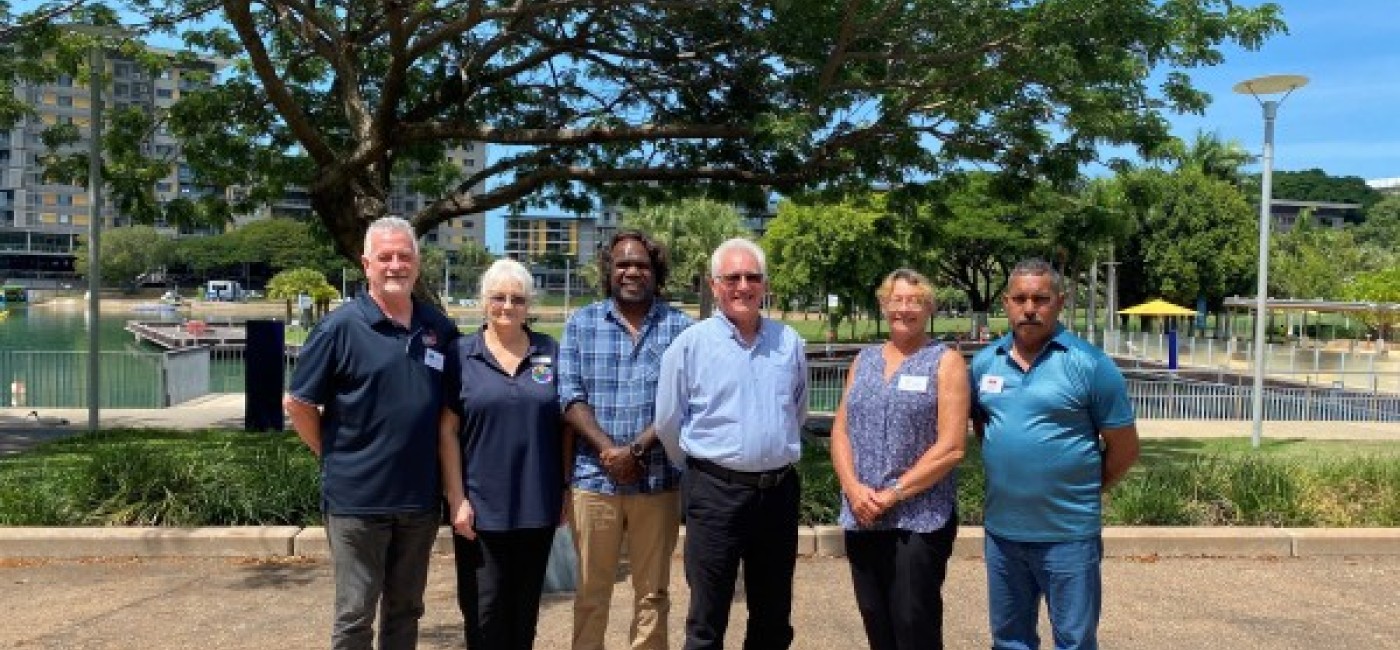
1057,431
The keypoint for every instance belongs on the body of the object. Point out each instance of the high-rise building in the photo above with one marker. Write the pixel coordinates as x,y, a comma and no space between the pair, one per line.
41,223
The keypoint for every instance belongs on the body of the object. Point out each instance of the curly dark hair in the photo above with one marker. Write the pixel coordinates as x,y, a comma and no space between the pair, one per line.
660,260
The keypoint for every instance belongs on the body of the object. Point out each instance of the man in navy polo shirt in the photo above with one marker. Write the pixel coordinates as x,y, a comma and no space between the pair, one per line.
1057,431
365,398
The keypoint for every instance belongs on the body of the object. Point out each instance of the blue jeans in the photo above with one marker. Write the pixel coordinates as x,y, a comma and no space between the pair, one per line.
1066,573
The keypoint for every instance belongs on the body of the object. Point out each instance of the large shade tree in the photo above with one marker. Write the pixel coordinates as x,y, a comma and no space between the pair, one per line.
575,95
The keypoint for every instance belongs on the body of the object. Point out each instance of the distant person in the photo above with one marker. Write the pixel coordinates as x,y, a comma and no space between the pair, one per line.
1057,431
730,404
898,435
502,453
365,397
624,490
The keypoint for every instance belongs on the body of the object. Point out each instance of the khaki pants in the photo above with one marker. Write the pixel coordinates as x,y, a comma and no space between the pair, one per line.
650,523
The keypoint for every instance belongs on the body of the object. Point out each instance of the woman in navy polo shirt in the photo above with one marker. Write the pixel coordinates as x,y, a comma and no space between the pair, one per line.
501,448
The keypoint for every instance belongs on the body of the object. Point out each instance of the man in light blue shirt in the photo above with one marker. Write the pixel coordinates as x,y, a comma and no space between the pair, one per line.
730,403
1058,430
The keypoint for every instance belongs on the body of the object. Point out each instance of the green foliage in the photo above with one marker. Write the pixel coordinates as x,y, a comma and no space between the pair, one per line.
789,95
126,254
1313,263
1195,236
1317,185
1382,287
1381,229
162,478
282,244
291,283
830,248
971,230
219,478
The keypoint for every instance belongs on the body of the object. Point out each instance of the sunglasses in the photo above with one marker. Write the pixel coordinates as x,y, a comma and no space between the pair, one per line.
732,279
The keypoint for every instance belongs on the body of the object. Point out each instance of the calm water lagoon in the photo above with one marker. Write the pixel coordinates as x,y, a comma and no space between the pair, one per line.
43,360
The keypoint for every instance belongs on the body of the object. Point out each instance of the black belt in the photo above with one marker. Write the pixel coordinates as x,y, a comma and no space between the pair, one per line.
760,480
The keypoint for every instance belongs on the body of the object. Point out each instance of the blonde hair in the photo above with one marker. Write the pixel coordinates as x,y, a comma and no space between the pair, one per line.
914,278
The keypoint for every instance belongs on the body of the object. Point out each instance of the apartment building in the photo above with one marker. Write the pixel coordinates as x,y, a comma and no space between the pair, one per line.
41,223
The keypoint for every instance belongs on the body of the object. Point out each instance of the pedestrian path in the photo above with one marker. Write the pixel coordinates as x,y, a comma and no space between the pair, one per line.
1150,603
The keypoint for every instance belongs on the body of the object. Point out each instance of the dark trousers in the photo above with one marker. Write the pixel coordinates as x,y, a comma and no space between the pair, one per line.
898,577
381,561
727,523
499,578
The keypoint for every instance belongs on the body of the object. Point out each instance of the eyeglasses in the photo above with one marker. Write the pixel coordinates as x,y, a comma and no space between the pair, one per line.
502,299
732,279
905,302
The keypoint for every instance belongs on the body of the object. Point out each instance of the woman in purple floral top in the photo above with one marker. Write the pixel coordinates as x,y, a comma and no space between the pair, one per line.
898,435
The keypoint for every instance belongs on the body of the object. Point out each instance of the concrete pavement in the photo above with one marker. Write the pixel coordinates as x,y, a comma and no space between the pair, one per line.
270,587
224,603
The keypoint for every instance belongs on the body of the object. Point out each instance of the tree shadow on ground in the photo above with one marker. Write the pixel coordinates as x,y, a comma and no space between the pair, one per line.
279,572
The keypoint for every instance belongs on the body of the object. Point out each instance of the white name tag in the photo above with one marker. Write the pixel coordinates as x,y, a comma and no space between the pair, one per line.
913,384
433,359
991,384
540,360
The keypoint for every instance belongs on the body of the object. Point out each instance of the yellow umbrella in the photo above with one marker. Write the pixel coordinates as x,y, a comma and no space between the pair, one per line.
1157,307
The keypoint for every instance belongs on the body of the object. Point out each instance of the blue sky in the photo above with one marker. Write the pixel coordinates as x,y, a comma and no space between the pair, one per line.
1346,121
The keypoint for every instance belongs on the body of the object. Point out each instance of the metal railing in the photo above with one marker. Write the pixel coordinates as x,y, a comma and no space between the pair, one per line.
153,380
59,379
1357,365
1214,395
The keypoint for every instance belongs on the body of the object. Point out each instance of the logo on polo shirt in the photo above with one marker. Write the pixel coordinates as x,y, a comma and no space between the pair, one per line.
430,338
540,370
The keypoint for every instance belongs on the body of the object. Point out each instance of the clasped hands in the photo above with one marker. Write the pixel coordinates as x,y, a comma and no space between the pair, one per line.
621,466
869,504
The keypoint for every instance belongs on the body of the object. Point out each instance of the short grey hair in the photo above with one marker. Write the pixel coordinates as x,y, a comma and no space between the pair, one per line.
390,224
504,271
1037,266
737,244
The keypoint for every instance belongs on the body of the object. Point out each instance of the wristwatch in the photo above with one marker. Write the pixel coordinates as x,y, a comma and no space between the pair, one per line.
638,451
898,491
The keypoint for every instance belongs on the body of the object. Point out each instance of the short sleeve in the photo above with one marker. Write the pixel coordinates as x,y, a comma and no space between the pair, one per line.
1110,406
311,381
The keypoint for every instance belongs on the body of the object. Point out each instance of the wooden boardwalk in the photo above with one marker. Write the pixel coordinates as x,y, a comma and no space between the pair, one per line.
222,337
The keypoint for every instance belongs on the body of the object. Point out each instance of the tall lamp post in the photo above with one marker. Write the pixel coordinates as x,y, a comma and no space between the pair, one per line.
97,66
1269,85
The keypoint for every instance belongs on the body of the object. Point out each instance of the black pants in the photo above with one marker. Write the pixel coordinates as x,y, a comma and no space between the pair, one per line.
499,579
728,523
898,577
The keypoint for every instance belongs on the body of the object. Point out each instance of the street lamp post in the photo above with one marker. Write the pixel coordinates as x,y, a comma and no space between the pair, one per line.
97,65
1268,85
95,61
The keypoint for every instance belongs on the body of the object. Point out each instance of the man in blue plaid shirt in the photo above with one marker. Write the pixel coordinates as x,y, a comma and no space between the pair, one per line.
624,487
